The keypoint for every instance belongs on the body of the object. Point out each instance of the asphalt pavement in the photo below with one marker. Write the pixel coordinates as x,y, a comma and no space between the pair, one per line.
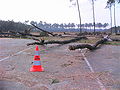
107,61
64,69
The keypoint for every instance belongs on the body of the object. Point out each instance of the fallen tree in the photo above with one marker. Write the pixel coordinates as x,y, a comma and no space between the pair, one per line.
71,47
43,30
115,39
42,42
28,34
88,46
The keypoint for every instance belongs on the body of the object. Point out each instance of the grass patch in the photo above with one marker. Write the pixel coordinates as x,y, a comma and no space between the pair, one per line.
90,40
112,43
21,38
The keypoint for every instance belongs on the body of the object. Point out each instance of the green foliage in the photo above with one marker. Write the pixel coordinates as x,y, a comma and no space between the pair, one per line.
113,1
6,26
113,43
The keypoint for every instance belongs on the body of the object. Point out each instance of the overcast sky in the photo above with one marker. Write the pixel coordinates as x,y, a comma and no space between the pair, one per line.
55,11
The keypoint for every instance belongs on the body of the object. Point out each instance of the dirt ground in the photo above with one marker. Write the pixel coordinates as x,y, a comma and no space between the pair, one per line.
63,70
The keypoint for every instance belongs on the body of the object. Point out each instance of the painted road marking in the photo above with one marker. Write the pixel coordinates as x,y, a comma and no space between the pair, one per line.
91,69
15,54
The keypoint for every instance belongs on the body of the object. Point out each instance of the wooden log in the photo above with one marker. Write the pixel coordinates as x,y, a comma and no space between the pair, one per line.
88,46
115,39
57,42
74,47
25,34
102,41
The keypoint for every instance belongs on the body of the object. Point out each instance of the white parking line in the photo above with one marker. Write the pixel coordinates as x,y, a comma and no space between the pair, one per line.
15,54
91,69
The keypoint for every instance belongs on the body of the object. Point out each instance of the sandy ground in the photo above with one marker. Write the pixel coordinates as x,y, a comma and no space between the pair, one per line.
63,70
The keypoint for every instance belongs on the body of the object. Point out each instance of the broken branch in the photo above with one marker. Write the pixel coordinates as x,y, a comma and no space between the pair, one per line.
57,42
43,30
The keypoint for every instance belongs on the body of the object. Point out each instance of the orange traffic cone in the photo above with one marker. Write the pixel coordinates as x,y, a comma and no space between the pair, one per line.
37,63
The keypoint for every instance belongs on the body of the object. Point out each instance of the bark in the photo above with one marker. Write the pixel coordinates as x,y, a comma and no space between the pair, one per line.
43,30
88,46
102,41
115,39
26,34
73,47
36,39
42,42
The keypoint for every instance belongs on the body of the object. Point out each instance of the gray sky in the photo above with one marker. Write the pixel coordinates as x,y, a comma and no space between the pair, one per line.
55,11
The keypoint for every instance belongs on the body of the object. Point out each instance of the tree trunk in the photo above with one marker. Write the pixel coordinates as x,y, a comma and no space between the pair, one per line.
43,30
93,15
115,20
79,16
110,18
90,47
57,42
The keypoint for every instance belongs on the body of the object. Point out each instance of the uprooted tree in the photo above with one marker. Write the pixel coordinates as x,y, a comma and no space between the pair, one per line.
71,47
88,46
42,42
